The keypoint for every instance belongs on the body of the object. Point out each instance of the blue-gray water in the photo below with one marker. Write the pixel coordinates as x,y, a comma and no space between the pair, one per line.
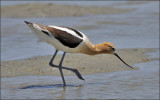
139,84
137,29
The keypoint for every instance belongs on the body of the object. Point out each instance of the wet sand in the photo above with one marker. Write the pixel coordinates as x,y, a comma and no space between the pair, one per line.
84,63
57,10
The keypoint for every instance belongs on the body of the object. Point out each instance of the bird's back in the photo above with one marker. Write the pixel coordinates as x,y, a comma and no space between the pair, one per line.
62,38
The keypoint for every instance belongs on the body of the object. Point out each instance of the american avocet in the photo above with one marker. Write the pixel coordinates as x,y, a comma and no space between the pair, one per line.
71,41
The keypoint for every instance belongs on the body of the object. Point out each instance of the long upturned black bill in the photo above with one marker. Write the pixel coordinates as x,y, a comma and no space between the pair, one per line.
122,60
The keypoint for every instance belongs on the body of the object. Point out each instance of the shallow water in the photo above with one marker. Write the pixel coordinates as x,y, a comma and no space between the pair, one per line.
142,83
137,29
137,84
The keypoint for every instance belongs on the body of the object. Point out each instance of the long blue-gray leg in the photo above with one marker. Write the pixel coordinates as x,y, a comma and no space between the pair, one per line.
57,66
60,68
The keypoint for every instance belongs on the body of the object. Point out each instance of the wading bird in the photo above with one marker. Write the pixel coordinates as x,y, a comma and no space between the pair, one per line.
72,41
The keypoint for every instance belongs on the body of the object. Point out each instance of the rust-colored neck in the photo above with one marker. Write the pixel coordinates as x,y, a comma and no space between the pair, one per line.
101,48
96,49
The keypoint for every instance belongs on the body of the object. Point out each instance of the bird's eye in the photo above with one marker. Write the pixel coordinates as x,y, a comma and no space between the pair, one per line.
113,49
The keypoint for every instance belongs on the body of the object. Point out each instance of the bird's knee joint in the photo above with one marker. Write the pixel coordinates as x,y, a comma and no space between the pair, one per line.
75,70
50,64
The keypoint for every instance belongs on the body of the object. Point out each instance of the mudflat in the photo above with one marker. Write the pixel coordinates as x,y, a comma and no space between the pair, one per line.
86,64
56,10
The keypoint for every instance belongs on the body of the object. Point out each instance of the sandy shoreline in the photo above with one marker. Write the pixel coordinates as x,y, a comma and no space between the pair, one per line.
84,63
57,10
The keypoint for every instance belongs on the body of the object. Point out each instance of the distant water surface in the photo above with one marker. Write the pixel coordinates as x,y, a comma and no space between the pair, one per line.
137,29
